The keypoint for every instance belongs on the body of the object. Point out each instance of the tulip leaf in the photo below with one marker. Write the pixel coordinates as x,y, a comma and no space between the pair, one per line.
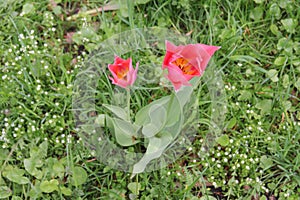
157,114
184,95
154,150
125,132
119,112
142,116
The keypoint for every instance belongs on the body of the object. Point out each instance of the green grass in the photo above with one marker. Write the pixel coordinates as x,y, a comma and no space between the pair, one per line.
42,155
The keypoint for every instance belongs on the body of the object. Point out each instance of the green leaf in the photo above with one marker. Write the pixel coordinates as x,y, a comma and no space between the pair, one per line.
265,106
279,61
16,198
157,114
245,95
134,187
273,75
58,169
5,192
274,29
289,25
125,132
286,81
142,116
231,123
28,8
263,197
15,175
119,112
31,165
49,186
154,150
208,197
275,11
223,140
297,84
79,176
257,13
66,191
287,105
265,162
141,1
40,151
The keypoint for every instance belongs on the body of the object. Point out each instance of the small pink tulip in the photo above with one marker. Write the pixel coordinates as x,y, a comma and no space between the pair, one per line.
122,71
185,62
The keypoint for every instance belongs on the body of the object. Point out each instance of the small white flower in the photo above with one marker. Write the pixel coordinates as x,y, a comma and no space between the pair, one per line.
247,167
4,77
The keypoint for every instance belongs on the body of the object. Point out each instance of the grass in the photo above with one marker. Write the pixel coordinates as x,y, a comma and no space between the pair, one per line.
42,155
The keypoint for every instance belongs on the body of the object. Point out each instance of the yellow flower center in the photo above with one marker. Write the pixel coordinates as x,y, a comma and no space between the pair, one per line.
121,74
185,66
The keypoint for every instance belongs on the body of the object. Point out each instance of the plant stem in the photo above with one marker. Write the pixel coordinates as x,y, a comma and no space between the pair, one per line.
137,184
128,103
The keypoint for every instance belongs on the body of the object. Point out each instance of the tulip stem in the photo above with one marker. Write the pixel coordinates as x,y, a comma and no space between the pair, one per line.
128,103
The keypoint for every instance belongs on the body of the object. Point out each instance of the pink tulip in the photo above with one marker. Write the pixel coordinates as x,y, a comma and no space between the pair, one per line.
123,73
185,62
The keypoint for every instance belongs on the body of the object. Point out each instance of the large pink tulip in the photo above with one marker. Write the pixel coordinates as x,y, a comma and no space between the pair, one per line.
186,61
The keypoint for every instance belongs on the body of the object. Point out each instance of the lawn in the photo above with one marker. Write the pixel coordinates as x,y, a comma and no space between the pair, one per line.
250,90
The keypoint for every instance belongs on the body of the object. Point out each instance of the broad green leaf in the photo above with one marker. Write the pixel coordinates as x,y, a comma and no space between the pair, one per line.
79,176
258,1
257,13
158,116
58,169
280,61
154,150
16,198
245,95
49,186
142,116
174,111
125,132
66,191
263,197
119,112
184,95
286,81
231,123
275,11
273,75
3,154
15,175
40,151
286,105
31,165
297,84
208,197
289,25
265,106
223,140
141,1
134,187
28,8
266,162
5,192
